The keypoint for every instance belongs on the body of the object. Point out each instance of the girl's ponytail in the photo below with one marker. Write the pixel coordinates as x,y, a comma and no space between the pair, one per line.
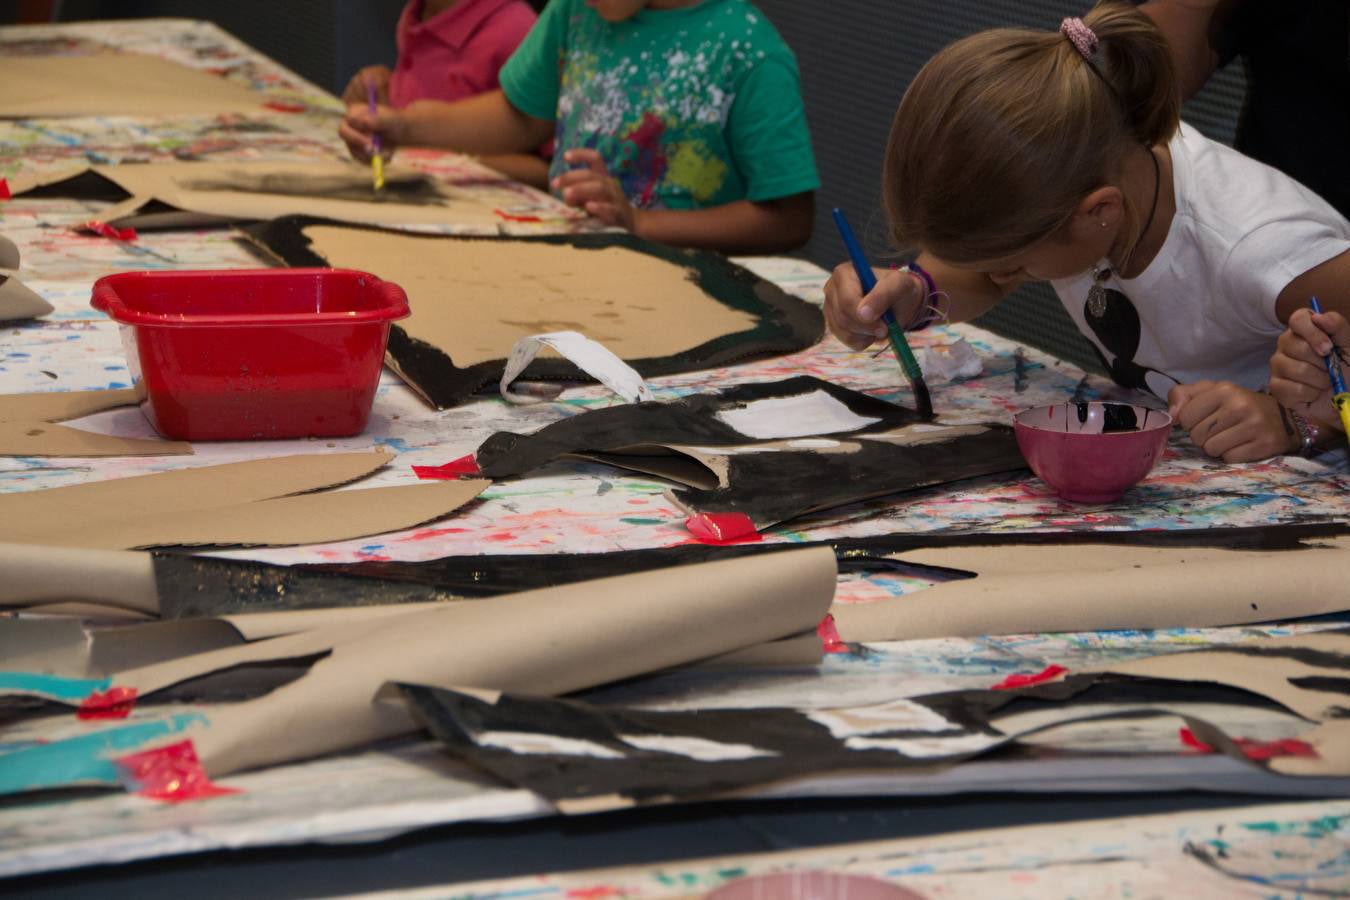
1133,57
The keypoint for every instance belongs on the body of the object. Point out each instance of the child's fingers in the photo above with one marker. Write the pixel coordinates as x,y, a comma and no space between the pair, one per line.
609,213
592,191
1305,330
574,177
1335,326
358,144
897,291
584,156
1295,363
1189,404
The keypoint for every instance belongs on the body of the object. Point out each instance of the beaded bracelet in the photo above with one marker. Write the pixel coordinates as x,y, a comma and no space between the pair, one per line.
1307,433
927,312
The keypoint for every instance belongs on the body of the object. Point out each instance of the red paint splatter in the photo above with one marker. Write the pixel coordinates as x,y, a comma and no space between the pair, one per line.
282,106
1254,750
430,533
172,774
722,528
829,636
465,465
1049,673
502,536
593,893
114,703
103,229
514,218
4,190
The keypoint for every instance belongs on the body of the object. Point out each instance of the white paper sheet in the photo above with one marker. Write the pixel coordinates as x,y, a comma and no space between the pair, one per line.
794,417
591,357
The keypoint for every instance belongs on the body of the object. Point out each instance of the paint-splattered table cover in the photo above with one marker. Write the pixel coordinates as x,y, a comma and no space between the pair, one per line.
566,509
1261,851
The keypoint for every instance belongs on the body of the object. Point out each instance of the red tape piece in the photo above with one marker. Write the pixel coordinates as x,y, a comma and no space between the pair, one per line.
513,218
1253,750
114,703
722,528
282,106
1012,682
105,230
172,774
829,636
456,468
4,190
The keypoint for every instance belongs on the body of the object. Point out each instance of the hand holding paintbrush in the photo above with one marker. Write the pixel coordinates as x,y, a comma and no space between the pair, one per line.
1306,368
908,364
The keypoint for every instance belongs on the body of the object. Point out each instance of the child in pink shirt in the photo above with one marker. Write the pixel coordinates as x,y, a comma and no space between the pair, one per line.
450,50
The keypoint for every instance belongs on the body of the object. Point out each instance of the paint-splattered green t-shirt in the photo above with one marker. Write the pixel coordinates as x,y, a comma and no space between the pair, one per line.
690,107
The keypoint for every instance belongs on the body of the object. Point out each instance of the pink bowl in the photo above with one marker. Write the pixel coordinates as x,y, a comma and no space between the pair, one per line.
1091,452
810,885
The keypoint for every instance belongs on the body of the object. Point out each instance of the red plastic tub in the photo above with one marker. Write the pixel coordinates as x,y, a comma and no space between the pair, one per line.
248,354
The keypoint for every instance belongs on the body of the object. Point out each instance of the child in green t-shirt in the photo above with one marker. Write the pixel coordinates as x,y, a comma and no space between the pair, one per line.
680,120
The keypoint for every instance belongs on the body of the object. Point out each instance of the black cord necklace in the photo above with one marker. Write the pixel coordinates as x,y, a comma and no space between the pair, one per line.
1096,298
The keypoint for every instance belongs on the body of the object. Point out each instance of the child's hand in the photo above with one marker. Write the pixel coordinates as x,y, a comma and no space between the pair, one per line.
856,320
359,127
1231,422
591,188
1298,375
358,92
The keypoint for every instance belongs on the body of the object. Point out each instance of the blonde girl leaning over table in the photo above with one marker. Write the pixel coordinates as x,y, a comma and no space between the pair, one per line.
1020,155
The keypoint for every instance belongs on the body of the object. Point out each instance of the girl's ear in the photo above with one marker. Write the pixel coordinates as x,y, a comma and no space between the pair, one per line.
1100,212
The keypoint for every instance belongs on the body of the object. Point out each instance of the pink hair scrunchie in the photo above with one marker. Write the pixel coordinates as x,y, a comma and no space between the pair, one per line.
1081,36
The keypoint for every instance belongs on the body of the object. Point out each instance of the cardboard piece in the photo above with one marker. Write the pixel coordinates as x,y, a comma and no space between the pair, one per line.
1308,674
490,575
46,439
58,406
259,502
116,84
550,641
1094,588
17,301
67,647
25,428
661,309
194,194
586,758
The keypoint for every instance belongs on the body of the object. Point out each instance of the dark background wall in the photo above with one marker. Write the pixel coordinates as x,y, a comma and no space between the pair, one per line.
856,58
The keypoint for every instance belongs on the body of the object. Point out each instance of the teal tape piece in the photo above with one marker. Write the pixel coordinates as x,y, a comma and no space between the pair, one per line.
53,687
87,759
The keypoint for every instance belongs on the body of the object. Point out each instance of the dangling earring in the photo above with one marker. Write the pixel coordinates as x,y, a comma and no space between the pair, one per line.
1096,297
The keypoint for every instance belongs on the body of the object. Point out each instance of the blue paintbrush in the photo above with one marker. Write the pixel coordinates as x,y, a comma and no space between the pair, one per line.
908,364
1339,396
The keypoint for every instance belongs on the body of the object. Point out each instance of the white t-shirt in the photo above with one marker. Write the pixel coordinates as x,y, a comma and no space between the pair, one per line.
1206,303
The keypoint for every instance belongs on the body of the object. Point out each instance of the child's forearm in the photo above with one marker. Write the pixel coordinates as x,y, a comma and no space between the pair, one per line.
486,123
741,226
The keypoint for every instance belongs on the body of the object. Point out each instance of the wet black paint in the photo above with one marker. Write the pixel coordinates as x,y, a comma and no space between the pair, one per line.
688,420
191,586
